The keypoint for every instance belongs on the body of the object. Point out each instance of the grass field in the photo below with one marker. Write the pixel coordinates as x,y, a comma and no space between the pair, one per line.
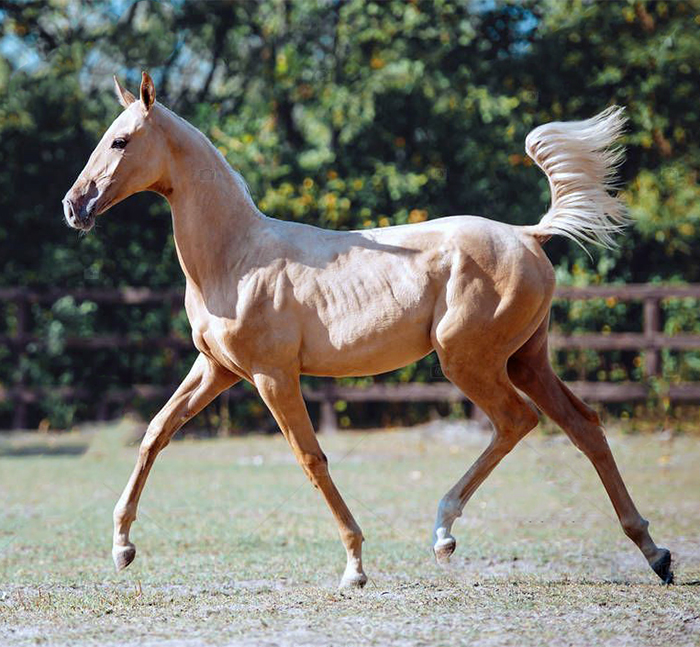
236,547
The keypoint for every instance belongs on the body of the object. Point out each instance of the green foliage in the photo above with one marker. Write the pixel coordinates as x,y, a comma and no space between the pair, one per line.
345,115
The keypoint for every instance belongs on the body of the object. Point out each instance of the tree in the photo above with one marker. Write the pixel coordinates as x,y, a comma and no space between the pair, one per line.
343,114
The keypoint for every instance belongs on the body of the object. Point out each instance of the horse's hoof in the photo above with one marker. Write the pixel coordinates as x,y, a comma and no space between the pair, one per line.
662,567
444,548
123,556
352,581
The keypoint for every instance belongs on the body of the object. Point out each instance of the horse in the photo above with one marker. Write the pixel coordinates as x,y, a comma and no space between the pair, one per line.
269,300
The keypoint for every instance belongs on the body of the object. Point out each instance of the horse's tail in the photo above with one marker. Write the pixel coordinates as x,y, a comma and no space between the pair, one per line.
580,162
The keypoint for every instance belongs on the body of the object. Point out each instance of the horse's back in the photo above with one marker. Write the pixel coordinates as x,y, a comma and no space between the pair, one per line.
378,297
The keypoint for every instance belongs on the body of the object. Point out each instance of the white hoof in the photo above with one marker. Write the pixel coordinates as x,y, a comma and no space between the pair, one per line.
352,580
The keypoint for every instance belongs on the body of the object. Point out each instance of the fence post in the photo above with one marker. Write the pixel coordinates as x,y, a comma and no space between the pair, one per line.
652,321
650,344
19,419
224,401
328,421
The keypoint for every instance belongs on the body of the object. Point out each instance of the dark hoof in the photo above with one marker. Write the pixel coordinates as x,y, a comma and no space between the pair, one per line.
443,549
123,556
662,567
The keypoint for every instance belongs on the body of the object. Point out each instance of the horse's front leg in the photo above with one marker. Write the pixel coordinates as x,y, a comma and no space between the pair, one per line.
203,383
282,393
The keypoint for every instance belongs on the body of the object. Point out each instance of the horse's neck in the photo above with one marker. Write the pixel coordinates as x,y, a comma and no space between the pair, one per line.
215,222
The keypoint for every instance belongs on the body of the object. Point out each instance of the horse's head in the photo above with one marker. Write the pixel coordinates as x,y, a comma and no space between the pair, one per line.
127,160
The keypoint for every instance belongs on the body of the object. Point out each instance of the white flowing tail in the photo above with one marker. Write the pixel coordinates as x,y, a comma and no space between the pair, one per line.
580,162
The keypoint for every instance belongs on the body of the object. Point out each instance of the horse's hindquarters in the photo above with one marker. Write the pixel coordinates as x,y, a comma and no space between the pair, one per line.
494,302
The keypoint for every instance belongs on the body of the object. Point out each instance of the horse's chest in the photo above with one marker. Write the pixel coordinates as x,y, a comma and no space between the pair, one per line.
241,341
213,335
223,343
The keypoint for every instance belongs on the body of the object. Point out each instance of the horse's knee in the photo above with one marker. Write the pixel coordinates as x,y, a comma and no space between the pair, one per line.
152,442
314,464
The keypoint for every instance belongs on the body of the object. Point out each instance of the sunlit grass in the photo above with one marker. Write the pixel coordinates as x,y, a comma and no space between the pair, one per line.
234,545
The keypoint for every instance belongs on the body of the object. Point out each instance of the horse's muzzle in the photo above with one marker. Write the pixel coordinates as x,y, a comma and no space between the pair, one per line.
78,217
80,211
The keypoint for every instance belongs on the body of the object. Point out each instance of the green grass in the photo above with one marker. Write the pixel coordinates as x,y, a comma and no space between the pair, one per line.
236,547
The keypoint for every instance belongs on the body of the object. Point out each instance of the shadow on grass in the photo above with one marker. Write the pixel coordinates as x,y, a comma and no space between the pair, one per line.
43,450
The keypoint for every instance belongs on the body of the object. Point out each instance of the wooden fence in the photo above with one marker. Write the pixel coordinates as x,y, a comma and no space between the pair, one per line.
650,342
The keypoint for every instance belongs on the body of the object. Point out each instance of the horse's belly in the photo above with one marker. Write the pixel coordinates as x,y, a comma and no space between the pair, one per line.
359,344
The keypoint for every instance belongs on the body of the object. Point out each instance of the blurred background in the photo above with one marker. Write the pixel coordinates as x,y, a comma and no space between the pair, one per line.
345,115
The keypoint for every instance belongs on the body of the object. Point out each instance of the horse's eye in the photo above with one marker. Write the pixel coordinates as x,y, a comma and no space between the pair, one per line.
119,143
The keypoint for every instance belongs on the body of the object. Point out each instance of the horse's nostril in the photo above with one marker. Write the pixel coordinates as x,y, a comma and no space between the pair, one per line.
69,211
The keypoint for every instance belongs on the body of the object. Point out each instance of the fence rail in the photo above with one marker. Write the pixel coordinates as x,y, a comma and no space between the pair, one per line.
650,342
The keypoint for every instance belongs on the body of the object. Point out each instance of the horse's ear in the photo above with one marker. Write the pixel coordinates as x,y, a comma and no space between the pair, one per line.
124,97
148,91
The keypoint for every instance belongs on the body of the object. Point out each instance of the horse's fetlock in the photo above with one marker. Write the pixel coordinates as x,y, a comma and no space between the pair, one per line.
635,529
449,508
123,514
352,538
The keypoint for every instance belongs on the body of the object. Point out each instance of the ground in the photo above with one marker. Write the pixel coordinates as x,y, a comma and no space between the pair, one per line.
236,548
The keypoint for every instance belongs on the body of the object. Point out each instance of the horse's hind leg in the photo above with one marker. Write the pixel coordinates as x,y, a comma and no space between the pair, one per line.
512,419
531,372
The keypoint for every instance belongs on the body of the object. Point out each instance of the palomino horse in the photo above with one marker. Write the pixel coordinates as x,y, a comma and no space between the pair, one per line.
270,300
